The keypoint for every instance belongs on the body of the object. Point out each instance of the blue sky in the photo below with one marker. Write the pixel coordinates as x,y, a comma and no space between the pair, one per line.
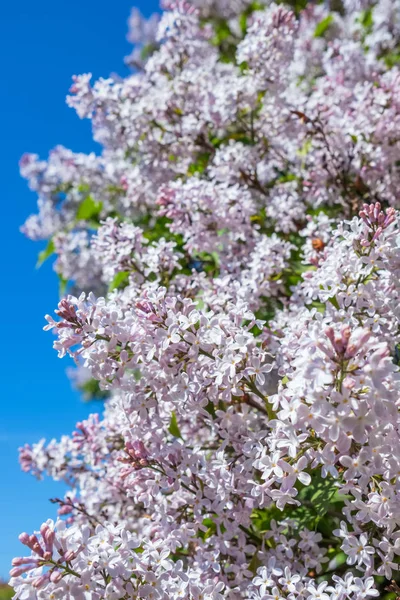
42,44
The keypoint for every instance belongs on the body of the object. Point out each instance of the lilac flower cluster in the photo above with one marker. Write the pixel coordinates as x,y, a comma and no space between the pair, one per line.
230,266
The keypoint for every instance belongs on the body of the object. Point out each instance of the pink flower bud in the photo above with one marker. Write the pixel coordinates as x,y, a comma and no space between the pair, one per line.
41,580
36,547
17,571
64,510
23,560
55,576
24,538
377,234
358,340
70,555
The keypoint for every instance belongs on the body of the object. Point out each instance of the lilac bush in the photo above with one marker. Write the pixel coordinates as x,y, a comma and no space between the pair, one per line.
229,269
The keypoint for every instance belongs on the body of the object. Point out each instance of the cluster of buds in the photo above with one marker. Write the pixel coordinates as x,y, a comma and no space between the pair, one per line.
179,5
376,221
147,310
346,344
85,430
44,553
67,311
136,457
283,17
26,459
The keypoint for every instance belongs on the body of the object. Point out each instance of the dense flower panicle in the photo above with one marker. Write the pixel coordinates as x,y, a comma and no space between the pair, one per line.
230,268
268,46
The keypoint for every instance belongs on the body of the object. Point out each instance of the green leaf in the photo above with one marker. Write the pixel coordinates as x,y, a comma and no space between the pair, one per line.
254,563
222,32
83,188
210,408
337,561
391,59
316,501
148,50
91,390
243,23
320,306
154,229
119,281
212,528
304,150
320,495
334,302
174,427
396,358
200,165
45,254
366,19
323,26
88,209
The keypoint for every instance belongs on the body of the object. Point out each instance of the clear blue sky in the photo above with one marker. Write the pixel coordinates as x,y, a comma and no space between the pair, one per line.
42,44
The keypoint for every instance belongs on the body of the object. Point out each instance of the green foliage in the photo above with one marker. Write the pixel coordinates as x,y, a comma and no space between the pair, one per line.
320,505
155,229
304,150
200,165
396,357
322,26
296,269
89,209
225,40
45,254
392,58
6,593
174,427
91,391
222,32
211,529
334,302
120,281
84,188
296,5
148,50
367,20
255,563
